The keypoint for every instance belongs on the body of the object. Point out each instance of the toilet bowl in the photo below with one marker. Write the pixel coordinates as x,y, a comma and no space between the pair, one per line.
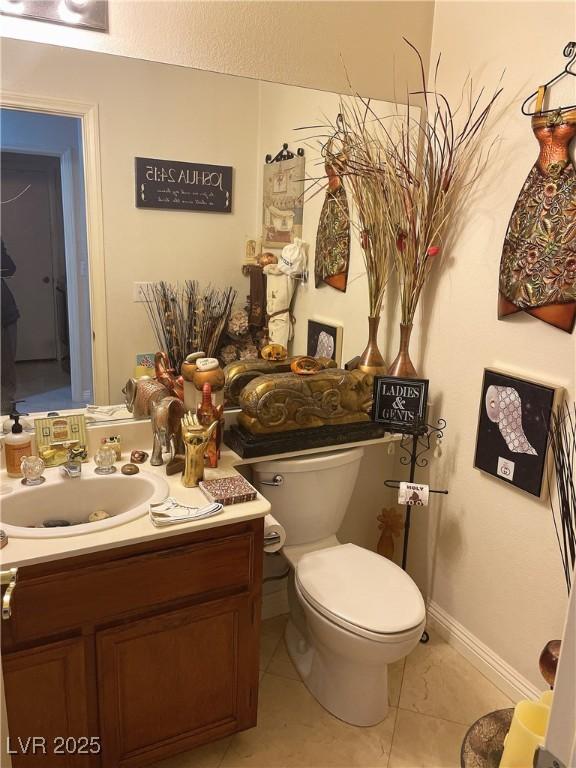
352,612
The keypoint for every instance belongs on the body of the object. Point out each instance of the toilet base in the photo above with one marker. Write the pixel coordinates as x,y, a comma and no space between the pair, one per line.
338,685
346,673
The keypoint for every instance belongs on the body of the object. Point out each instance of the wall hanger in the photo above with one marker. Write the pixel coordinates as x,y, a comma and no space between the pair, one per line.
284,154
568,53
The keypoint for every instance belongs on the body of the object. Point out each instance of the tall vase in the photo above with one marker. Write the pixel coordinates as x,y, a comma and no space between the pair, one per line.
402,366
371,361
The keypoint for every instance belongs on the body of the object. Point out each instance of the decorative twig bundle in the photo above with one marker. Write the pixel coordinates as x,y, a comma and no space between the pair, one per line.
186,319
409,179
563,445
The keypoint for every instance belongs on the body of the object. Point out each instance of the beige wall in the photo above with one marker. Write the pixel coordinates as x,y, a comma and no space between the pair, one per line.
487,553
300,43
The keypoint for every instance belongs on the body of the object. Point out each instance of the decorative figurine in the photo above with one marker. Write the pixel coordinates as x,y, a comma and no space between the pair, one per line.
391,523
140,394
166,375
166,428
196,438
207,413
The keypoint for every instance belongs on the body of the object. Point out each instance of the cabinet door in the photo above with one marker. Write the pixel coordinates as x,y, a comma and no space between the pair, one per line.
46,698
171,682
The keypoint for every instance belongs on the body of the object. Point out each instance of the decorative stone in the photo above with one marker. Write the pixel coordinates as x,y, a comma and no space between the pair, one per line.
55,523
130,469
100,514
138,457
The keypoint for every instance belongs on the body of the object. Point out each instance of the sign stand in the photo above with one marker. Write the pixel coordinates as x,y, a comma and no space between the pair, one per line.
400,404
415,446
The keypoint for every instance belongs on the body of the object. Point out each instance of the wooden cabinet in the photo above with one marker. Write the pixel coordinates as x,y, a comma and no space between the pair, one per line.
47,693
149,650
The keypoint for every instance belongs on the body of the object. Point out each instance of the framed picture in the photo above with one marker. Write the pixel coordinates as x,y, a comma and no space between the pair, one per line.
283,187
324,340
400,404
513,422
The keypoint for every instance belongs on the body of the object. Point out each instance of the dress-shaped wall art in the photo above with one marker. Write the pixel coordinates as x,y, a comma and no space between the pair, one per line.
333,236
538,266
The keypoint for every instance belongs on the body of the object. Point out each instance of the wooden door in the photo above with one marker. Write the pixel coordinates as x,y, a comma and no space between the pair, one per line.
47,698
32,231
174,681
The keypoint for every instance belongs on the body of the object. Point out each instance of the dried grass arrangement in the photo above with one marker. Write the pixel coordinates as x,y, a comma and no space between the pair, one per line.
429,172
409,180
563,446
186,318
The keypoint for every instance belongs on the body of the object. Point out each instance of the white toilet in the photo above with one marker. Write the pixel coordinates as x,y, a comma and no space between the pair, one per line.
352,612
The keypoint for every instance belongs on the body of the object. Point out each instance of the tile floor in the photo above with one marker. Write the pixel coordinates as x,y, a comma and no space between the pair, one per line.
435,695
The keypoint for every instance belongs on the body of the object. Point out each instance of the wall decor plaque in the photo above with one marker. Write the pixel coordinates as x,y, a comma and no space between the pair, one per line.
513,427
283,188
176,186
400,403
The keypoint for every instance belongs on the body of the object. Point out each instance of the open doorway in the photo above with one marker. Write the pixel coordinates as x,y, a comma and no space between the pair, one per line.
46,326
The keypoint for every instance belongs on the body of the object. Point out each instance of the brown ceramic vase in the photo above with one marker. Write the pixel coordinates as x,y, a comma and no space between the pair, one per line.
371,361
402,366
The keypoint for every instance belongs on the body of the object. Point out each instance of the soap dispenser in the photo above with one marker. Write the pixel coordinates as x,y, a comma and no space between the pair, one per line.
17,445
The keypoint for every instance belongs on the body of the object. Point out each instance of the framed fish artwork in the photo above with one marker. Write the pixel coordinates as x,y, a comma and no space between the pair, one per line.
513,426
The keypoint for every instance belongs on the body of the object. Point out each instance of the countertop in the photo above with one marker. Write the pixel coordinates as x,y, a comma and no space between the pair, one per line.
20,552
137,434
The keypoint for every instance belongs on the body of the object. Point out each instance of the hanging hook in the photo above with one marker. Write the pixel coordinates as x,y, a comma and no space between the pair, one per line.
569,52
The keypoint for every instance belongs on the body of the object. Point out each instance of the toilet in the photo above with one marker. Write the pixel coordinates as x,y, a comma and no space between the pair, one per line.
352,612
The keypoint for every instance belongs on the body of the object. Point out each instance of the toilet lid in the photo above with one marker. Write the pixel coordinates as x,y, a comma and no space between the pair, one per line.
358,588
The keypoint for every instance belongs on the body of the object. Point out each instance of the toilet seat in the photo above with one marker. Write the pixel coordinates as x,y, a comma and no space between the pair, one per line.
360,591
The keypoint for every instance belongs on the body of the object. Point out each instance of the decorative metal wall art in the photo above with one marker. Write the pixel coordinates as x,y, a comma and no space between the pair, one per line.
513,426
333,236
538,266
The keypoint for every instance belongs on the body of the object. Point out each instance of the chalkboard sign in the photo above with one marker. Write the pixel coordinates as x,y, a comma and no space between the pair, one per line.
400,404
175,186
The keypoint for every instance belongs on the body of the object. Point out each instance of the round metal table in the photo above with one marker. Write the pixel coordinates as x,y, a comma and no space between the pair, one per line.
484,743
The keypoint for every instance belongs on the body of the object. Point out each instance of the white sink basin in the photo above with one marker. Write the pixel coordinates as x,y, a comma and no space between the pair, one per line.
124,498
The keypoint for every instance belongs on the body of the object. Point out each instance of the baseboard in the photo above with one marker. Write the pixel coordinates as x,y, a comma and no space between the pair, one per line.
275,604
483,658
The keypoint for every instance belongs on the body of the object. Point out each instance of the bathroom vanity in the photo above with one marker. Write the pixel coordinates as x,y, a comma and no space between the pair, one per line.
132,643
144,650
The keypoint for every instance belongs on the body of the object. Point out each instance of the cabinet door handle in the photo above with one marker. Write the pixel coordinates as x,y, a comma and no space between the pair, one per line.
8,578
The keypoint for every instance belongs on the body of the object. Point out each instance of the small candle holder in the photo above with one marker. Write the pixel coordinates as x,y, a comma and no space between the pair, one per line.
104,460
32,468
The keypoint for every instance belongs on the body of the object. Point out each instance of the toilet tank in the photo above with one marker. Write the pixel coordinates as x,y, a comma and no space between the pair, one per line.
313,498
